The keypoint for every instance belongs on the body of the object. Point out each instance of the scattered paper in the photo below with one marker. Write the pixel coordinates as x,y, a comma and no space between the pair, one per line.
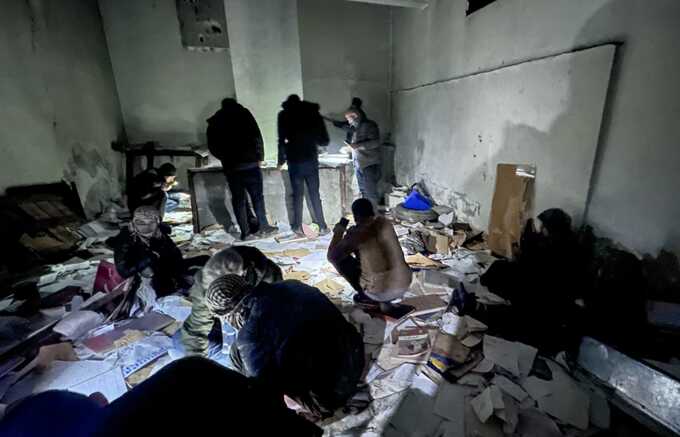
485,403
510,388
485,366
84,377
534,423
454,325
472,340
503,353
296,275
421,261
77,323
296,253
474,325
526,357
450,403
329,286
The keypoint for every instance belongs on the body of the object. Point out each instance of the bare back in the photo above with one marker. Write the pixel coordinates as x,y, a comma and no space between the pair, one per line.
384,272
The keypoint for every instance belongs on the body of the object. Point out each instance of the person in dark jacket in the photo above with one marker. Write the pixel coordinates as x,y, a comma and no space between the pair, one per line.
151,186
235,139
365,145
145,248
180,398
245,261
301,132
293,339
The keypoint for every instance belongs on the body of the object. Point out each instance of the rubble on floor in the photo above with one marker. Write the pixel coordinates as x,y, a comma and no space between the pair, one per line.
434,372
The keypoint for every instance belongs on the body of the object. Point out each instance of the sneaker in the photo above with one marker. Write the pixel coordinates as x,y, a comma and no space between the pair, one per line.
324,231
249,237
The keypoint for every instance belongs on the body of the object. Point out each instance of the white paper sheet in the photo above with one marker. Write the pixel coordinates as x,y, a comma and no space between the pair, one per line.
84,377
503,353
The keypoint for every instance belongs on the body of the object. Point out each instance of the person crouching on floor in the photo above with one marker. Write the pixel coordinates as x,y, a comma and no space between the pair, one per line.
145,248
245,261
370,257
292,339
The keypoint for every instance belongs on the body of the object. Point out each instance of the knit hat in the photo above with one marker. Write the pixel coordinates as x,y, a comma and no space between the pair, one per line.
225,293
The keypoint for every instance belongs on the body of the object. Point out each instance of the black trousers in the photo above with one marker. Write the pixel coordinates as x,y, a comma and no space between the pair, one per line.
243,183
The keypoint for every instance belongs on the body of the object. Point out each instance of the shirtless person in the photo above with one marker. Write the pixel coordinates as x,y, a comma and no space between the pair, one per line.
369,256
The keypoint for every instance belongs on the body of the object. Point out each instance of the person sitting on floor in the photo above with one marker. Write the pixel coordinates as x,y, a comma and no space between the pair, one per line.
151,187
369,256
245,261
173,401
292,339
145,248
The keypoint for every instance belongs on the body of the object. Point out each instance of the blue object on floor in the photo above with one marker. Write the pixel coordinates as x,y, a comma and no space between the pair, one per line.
416,202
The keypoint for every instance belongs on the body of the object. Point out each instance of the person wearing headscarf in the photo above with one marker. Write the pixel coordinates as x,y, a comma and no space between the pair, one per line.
246,262
293,339
145,248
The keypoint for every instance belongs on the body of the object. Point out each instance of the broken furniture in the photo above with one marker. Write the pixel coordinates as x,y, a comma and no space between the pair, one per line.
39,224
150,150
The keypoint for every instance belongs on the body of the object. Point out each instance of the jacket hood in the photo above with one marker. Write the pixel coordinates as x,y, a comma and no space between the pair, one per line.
224,112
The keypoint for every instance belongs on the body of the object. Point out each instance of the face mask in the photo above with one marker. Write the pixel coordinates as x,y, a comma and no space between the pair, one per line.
145,227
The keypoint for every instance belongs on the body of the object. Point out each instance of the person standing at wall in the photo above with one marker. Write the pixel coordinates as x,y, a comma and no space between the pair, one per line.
301,132
235,139
365,146
357,103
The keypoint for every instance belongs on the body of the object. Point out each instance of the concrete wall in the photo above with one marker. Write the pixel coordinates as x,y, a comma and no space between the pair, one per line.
265,50
166,91
632,197
345,50
59,111
459,131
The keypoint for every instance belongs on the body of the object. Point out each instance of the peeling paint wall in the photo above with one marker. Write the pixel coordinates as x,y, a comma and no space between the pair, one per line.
166,91
632,198
59,111
345,48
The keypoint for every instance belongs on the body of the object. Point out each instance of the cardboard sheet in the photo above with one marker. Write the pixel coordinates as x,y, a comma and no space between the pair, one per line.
511,207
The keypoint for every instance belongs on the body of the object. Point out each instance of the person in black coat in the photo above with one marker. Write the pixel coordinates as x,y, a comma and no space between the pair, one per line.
151,187
292,339
191,396
302,132
145,248
235,139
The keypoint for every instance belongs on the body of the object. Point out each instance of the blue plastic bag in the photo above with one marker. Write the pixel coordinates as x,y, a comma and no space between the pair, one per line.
417,202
